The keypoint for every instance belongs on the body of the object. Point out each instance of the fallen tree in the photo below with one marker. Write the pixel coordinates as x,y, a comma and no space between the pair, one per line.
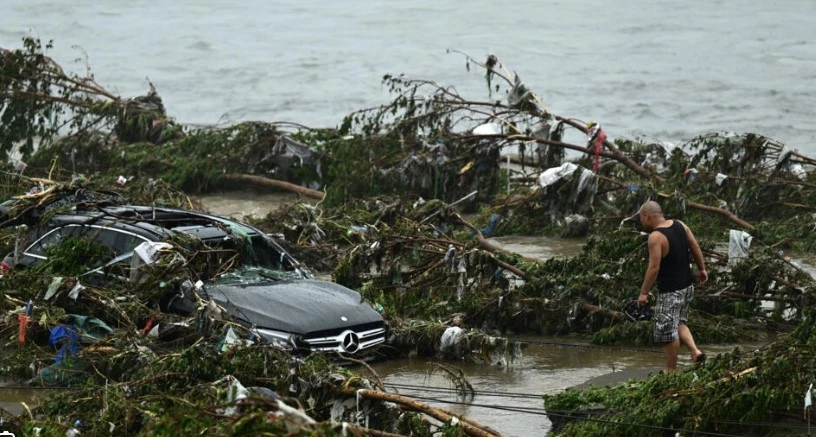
395,182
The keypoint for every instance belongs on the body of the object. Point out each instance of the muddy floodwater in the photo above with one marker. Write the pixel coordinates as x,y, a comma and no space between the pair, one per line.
13,396
507,398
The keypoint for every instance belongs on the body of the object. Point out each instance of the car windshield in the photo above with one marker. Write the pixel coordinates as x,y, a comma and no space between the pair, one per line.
254,274
256,256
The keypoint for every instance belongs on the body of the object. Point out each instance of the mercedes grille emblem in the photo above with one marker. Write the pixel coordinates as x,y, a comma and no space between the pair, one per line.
351,342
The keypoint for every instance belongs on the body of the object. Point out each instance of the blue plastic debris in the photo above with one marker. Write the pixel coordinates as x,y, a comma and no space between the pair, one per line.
491,226
66,338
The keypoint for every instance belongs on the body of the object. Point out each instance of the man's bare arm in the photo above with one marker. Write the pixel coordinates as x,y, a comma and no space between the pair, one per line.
697,254
655,255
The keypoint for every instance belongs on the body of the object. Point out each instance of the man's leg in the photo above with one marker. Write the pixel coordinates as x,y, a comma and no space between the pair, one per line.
683,330
687,339
671,350
666,322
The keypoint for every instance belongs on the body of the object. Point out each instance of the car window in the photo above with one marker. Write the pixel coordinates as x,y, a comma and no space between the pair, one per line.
262,252
51,239
108,238
118,269
119,242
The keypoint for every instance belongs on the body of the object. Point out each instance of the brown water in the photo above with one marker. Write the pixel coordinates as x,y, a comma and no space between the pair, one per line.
508,399
539,247
12,397
240,204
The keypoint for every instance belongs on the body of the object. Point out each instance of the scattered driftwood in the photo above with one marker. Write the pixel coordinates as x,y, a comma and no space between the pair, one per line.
469,426
264,182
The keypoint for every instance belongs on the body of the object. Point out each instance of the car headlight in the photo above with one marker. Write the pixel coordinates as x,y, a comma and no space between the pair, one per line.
283,340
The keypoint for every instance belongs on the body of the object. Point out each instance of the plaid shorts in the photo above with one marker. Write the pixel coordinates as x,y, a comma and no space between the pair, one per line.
672,310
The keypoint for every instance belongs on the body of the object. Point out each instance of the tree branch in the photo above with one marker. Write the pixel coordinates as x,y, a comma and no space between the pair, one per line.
273,183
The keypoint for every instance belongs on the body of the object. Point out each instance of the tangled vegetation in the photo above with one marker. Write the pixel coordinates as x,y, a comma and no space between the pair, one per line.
742,392
408,195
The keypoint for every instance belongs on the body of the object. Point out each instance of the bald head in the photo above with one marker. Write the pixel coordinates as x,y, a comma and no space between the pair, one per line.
651,208
651,214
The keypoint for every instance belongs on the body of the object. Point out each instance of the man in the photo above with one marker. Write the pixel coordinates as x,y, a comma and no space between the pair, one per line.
669,244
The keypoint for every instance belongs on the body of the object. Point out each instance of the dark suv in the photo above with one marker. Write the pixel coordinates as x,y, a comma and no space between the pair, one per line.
265,289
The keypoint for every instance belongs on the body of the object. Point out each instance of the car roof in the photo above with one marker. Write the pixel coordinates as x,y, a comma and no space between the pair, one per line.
156,222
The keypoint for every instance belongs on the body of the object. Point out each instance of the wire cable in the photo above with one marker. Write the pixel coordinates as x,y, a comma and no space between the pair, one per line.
556,413
477,392
529,410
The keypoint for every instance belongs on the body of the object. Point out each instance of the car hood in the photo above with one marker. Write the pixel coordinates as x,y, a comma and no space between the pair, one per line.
296,306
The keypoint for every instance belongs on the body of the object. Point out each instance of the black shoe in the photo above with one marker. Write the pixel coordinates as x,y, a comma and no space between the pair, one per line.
637,312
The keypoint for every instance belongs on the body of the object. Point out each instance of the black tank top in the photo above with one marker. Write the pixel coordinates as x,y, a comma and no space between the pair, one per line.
675,267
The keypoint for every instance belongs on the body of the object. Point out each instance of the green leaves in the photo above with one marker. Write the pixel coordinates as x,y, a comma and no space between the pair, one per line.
39,100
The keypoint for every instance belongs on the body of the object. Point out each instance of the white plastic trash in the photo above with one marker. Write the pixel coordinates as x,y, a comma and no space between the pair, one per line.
53,288
721,178
487,129
230,339
738,244
148,249
451,339
799,171
74,293
555,174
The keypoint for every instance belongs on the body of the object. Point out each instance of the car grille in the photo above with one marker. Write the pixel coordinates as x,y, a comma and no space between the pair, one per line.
348,341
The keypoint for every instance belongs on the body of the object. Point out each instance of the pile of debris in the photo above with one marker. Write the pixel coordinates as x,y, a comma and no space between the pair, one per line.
394,185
